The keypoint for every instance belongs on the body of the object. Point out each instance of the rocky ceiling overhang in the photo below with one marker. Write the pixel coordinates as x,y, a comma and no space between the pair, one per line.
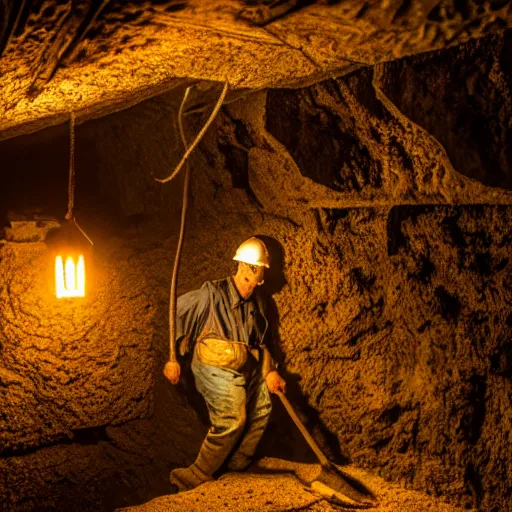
95,57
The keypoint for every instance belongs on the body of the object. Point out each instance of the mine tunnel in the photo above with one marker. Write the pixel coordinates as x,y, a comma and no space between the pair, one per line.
367,145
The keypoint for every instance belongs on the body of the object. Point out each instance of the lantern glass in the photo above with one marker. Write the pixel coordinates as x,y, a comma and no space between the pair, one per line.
70,277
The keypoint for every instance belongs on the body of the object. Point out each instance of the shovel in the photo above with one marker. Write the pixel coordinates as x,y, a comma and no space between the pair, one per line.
331,477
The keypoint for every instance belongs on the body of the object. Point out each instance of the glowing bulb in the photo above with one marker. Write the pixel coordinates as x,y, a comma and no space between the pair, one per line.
70,278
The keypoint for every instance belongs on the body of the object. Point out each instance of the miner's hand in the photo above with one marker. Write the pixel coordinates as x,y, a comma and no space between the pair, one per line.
275,382
172,371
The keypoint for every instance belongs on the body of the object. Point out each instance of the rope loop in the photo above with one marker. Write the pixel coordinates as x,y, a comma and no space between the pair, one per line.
184,207
199,135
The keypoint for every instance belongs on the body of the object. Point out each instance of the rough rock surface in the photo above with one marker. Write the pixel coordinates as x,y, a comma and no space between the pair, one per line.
470,85
71,365
392,282
96,57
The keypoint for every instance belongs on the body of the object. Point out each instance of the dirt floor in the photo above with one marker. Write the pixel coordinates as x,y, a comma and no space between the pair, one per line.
278,485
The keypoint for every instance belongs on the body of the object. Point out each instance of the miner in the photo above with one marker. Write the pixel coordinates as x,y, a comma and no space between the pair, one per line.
226,324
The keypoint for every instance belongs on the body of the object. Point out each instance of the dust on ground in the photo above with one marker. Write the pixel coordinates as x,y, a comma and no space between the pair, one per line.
275,485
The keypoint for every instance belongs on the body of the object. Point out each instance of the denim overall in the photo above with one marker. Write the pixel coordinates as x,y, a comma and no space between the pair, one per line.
238,400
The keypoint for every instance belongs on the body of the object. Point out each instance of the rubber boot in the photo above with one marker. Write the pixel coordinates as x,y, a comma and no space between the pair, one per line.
239,462
188,478
208,461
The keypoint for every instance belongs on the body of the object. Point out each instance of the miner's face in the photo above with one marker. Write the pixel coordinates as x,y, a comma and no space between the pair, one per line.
257,273
251,276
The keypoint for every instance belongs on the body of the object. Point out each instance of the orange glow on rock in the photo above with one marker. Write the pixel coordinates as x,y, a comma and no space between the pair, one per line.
69,278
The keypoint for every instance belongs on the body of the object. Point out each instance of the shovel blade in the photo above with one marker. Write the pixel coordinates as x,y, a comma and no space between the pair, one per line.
333,477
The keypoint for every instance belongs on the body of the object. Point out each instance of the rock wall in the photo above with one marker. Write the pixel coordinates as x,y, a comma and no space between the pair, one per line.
399,331
395,317
96,59
466,104
393,297
67,364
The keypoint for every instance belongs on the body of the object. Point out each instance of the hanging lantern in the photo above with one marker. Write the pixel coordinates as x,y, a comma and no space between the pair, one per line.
72,247
70,277
71,253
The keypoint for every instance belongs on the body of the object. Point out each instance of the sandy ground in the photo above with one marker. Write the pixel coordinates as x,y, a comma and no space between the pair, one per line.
278,485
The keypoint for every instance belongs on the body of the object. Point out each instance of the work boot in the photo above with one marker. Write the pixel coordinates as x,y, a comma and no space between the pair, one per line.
188,478
239,462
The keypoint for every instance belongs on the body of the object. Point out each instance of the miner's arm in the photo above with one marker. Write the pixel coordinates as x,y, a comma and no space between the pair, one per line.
275,382
268,364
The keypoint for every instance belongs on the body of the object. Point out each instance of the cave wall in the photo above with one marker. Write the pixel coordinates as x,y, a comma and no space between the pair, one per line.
402,346
84,407
466,104
394,319
71,365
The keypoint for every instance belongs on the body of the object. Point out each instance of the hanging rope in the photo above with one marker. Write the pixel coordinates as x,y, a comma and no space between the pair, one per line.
177,259
184,207
71,185
199,136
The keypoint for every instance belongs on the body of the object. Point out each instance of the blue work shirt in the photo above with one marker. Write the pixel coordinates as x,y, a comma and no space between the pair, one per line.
217,309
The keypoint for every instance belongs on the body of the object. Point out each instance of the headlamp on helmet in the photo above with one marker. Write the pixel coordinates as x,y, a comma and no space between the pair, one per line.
253,252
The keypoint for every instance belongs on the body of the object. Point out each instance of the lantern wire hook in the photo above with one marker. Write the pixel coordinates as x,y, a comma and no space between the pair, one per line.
71,185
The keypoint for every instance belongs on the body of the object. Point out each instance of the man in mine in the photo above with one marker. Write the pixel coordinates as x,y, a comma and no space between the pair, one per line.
227,325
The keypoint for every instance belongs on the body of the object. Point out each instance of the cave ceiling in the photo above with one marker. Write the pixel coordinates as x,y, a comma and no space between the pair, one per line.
95,57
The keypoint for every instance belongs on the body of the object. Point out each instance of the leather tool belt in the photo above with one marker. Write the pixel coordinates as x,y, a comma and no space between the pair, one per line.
222,353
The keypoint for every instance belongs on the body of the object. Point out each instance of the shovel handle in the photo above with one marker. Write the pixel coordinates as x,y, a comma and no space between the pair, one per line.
307,436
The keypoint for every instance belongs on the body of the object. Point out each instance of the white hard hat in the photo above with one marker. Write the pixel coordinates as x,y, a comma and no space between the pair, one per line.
253,252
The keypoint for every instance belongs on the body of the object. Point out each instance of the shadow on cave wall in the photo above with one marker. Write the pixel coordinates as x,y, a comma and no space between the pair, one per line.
324,140
462,96
282,439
